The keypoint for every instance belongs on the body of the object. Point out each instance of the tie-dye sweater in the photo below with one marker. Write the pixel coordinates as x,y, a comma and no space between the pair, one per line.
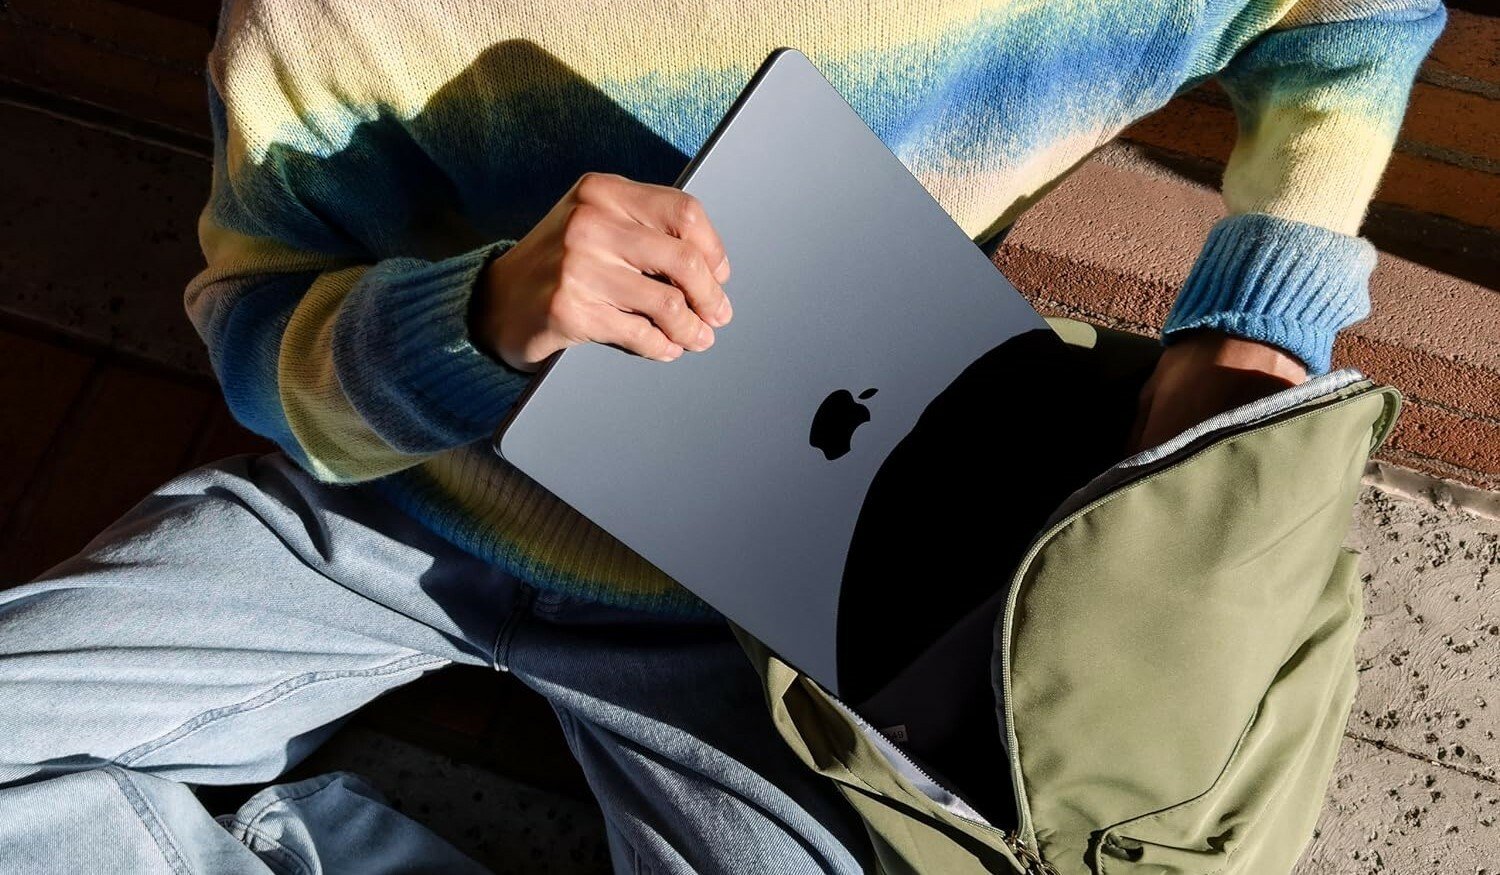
371,157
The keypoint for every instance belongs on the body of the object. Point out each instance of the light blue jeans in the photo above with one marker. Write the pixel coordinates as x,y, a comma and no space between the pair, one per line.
221,630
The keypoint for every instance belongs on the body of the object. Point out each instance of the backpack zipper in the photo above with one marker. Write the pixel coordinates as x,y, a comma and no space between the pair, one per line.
1027,858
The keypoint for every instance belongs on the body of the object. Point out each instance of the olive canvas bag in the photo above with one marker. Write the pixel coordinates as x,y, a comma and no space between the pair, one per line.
1168,654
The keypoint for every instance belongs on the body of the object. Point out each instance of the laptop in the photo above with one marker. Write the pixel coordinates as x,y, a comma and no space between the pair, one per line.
743,471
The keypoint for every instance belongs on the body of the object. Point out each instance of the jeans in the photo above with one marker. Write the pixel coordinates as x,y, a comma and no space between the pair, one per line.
220,630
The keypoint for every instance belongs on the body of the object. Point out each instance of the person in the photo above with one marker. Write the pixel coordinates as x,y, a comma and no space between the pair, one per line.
413,206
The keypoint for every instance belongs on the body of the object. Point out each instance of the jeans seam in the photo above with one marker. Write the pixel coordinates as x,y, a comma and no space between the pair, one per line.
569,722
274,854
519,606
150,820
249,822
248,825
275,693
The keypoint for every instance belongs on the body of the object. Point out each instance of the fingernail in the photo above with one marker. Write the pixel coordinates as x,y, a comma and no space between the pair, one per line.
721,273
705,336
725,311
673,352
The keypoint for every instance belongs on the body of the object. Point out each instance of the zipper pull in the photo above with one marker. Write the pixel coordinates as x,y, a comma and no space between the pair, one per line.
1031,860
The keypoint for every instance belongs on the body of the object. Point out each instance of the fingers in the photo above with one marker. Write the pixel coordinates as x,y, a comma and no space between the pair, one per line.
678,216
618,237
632,333
665,305
651,252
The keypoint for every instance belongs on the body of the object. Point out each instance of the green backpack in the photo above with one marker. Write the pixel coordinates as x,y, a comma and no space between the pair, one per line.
1172,646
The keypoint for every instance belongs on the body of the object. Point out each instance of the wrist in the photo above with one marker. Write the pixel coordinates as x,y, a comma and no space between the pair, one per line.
1214,348
488,306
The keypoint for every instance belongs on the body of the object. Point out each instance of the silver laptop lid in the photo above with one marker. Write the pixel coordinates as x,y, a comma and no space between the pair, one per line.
740,471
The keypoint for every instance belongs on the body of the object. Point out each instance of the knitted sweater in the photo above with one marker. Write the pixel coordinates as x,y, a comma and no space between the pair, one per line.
369,158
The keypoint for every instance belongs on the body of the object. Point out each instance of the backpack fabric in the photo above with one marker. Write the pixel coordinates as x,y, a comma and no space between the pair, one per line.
1171,656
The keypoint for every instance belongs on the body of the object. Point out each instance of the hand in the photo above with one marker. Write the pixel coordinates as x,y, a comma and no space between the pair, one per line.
1205,373
584,273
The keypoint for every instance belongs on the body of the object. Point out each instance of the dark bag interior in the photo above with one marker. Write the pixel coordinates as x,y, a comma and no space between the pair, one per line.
948,519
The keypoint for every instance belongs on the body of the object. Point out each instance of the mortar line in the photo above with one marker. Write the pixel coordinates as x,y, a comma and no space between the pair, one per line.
22,21
44,331
97,117
1459,82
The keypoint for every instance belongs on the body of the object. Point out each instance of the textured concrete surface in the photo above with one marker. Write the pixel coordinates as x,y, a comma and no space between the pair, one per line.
1415,789
1430,656
1389,814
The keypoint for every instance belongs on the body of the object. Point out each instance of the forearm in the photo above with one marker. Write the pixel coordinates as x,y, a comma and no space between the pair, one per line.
359,370
377,369
1319,104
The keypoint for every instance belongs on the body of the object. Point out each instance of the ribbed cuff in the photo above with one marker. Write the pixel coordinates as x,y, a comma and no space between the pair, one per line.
1279,281
404,358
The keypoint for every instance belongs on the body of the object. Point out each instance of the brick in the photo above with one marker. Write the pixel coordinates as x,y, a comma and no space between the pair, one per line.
1422,376
38,384
1431,186
1140,229
1058,286
194,12
1469,47
69,259
1437,468
130,27
135,86
65,63
1113,243
1189,126
1202,125
1468,124
132,434
1443,316
1468,443
1465,441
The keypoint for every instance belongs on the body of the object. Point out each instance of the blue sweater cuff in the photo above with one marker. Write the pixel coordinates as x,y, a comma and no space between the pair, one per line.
404,358
1279,281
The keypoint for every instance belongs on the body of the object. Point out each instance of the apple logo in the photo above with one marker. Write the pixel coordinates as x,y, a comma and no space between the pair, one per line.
834,424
